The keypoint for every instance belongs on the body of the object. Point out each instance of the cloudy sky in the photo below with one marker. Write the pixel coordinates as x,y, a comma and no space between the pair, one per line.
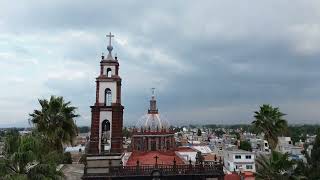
210,61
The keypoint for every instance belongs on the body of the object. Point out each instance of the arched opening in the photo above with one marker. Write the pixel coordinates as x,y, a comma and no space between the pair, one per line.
105,135
109,72
108,97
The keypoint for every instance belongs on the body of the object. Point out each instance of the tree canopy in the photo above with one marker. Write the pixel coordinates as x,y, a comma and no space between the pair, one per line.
245,145
27,157
199,133
270,121
55,120
275,167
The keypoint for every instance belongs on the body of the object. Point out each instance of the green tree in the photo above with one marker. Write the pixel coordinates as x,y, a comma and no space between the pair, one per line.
311,169
83,129
67,159
245,145
23,155
55,120
126,133
199,133
313,165
276,167
236,134
315,152
192,126
269,120
219,133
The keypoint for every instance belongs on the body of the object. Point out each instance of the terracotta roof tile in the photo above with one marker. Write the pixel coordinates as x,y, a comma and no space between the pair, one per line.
147,158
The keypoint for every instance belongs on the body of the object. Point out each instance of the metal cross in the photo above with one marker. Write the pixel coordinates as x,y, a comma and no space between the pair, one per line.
156,157
110,36
152,91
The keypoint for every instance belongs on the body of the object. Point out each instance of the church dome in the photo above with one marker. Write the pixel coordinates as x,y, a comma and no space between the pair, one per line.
154,122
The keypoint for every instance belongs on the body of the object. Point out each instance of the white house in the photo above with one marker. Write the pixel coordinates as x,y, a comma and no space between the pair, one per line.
239,160
260,145
75,149
285,145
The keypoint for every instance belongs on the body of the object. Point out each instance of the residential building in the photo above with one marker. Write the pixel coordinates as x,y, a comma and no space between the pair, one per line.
239,160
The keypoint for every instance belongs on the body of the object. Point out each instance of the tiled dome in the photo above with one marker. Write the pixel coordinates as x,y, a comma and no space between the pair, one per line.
153,121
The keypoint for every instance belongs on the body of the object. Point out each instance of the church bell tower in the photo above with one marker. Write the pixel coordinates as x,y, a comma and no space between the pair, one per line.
107,111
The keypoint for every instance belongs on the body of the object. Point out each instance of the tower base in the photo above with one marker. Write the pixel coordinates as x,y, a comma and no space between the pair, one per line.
103,165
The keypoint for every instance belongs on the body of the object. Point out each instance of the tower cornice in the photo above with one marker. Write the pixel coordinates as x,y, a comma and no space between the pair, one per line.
104,78
109,62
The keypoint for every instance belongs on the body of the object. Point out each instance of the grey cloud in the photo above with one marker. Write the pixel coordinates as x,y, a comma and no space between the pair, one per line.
225,55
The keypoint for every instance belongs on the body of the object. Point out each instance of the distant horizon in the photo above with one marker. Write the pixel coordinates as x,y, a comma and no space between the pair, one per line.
9,127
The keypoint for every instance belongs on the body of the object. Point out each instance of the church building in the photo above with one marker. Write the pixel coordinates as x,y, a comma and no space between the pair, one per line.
152,132
153,153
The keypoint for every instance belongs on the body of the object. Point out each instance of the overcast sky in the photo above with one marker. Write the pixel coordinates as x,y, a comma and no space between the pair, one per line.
210,61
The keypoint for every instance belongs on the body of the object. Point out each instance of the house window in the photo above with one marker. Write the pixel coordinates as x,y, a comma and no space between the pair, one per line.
249,167
237,156
248,156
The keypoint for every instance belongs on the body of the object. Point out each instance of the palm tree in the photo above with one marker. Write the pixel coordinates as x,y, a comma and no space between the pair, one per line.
55,120
270,121
275,167
22,158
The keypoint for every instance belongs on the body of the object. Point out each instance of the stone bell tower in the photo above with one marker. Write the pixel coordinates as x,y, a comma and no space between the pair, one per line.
107,111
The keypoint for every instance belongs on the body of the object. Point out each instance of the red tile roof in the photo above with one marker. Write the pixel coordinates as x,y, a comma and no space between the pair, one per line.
148,158
232,177
210,157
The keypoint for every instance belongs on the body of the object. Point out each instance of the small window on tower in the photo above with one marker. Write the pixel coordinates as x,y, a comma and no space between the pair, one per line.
108,97
109,72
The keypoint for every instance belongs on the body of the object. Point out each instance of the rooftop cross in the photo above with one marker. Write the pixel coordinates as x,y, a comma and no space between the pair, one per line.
110,36
156,157
109,47
153,92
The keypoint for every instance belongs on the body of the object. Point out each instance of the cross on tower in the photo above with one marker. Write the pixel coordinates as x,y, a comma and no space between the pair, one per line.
110,36
153,92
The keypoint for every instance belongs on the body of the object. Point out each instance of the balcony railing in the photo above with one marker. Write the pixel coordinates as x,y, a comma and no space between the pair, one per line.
214,169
